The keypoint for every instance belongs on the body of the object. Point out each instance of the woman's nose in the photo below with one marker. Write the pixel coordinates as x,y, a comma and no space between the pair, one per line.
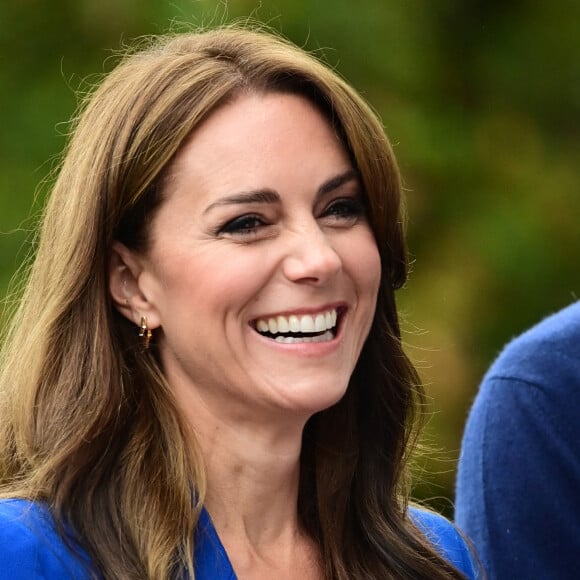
311,257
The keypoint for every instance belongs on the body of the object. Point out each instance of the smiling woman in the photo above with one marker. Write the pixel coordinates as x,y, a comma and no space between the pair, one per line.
214,383
222,264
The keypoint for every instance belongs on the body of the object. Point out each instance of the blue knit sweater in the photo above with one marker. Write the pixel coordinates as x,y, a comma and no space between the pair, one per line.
518,485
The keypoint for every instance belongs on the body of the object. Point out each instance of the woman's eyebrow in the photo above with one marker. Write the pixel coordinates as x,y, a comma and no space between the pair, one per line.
335,182
270,196
256,196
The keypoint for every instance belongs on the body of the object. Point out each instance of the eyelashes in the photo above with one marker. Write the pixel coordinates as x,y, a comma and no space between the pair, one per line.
346,208
340,212
242,225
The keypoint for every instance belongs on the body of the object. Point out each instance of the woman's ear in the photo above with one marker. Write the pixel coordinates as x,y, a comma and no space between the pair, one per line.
125,269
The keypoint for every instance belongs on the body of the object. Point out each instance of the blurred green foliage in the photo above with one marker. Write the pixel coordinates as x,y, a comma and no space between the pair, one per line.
480,99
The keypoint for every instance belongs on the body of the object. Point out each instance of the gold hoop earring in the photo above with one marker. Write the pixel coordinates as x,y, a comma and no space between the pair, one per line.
144,333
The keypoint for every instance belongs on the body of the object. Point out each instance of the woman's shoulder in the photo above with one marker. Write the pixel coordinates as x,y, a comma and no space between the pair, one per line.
447,540
30,545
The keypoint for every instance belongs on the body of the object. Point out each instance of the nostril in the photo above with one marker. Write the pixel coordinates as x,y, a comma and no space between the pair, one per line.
314,262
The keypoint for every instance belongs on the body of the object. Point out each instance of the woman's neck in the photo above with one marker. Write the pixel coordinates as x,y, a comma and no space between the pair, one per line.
253,478
252,463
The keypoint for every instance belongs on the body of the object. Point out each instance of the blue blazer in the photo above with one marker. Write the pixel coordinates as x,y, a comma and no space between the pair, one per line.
31,548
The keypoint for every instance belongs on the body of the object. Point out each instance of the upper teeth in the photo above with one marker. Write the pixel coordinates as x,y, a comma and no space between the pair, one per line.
306,323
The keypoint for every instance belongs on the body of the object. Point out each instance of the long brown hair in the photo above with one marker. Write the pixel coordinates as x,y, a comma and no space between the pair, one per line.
89,424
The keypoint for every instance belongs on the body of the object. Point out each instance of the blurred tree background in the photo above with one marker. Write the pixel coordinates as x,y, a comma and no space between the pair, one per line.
480,99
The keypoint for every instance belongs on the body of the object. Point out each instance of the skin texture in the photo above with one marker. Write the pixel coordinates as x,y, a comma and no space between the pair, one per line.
218,262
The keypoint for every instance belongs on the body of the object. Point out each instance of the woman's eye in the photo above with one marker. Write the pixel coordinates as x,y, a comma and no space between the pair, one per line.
347,209
243,225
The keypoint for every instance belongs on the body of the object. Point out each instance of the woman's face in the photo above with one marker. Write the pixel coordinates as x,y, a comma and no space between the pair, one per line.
262,273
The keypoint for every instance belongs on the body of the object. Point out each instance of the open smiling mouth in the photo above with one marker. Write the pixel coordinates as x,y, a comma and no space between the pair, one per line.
321,327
